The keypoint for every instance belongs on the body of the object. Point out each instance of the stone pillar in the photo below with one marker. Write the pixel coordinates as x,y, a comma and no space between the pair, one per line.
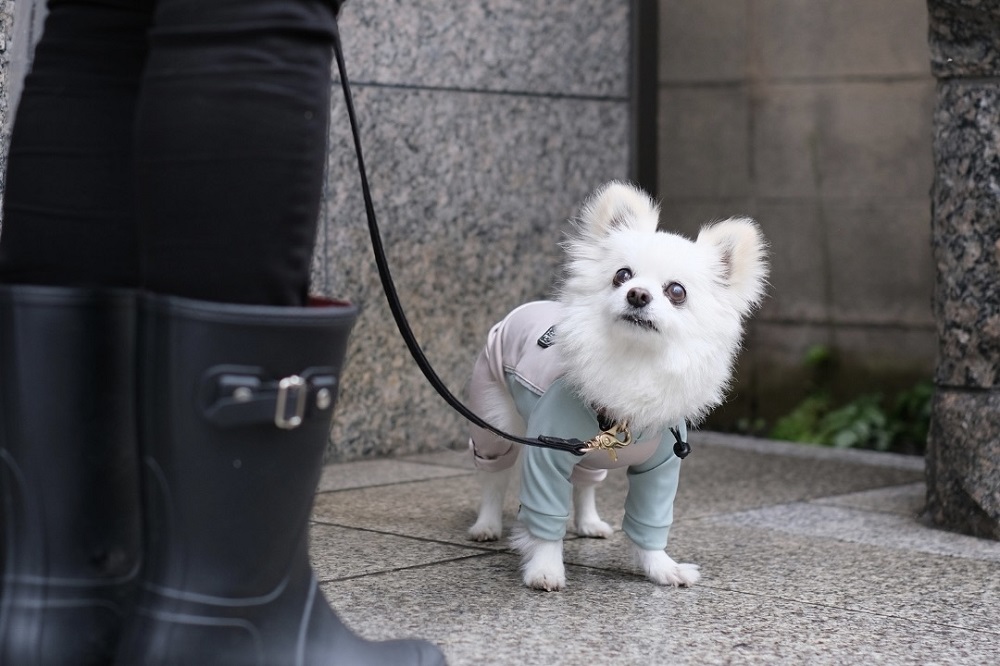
963,454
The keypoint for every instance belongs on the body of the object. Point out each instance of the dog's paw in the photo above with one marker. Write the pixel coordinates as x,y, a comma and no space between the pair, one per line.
541,578
486,530
662,570
594,527
541,561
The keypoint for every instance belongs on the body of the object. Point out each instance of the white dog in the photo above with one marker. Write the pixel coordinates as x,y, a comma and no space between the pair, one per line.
641,340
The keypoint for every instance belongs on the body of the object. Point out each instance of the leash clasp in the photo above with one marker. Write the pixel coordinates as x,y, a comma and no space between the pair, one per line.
617,436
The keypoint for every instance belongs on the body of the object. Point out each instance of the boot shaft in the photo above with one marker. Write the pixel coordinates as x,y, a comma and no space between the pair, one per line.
236,410
71,537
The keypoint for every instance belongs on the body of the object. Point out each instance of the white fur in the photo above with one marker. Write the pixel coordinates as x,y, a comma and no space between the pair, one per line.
662,570
588,522
678,367
541,560
690,356
489,524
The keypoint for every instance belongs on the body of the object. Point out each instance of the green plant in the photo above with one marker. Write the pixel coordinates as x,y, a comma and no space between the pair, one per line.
861,423
802,423
867,421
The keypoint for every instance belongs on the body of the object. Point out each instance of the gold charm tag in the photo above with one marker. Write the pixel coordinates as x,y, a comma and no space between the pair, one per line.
617,436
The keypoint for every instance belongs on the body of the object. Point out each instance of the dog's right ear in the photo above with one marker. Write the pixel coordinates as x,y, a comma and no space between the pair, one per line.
618,205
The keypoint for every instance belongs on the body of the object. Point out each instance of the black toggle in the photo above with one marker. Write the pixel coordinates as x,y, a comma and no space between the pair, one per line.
681,448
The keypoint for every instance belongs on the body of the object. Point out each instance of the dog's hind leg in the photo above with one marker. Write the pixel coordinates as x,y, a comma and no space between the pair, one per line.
494,456
489,524
588,522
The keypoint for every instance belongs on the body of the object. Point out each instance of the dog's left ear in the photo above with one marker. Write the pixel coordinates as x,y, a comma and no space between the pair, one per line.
742,259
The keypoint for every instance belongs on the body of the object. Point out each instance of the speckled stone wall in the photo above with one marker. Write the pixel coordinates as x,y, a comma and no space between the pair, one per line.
485,123
963,457
20,26
6,46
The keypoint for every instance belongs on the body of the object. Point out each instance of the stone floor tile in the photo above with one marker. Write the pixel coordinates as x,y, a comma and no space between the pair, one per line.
381,472
885,530
905,500
339,552
479,613
439,509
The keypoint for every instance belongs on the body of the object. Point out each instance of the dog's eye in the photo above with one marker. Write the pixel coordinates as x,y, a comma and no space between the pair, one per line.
676,292
622,276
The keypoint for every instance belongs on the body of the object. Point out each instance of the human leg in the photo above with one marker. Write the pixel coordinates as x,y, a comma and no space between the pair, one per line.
68,482
230,149
70,544
68,201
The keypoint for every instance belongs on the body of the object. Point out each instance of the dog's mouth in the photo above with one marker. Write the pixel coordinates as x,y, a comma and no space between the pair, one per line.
641,322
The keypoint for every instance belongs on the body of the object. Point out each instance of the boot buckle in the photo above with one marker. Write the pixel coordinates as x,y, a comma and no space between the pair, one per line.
296,386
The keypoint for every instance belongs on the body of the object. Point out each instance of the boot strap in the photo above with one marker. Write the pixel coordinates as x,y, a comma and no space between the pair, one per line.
246,395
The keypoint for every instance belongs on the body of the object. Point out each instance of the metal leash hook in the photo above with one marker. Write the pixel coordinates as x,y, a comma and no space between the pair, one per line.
616,437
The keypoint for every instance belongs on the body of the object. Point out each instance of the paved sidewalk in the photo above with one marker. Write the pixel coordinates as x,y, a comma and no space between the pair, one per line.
808,556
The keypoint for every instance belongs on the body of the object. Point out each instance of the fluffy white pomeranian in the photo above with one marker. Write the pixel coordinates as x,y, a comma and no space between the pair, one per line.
640,342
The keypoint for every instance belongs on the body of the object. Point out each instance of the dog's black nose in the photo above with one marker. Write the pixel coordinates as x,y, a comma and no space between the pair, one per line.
638,297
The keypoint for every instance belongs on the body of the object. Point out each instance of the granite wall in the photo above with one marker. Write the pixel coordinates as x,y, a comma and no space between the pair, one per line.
963,457
485,124
6,50
814,116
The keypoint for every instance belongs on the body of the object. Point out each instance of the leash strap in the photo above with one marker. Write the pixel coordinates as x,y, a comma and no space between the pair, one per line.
574,446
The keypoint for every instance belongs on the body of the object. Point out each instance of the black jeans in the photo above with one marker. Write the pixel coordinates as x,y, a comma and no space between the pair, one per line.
176,146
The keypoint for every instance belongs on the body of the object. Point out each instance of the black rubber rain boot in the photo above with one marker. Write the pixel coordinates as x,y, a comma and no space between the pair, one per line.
235,417
71,536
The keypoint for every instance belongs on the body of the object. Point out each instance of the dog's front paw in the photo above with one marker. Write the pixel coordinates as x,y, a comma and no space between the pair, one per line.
662,570
544,570
486,530
541,561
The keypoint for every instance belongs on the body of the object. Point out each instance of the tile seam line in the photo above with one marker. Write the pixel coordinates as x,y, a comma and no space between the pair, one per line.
852,610
722,517
971,80
486,91
880,325
865,202
471,545
820,80
792,503
437,464
395,483
412,567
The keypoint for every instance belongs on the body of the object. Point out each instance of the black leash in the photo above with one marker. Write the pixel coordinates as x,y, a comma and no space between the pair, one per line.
574,446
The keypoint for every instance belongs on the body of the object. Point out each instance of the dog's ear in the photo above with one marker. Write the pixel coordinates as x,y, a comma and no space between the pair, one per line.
741,252
617,205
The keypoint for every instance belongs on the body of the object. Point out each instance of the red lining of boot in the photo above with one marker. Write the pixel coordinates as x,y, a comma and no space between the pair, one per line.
323,302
